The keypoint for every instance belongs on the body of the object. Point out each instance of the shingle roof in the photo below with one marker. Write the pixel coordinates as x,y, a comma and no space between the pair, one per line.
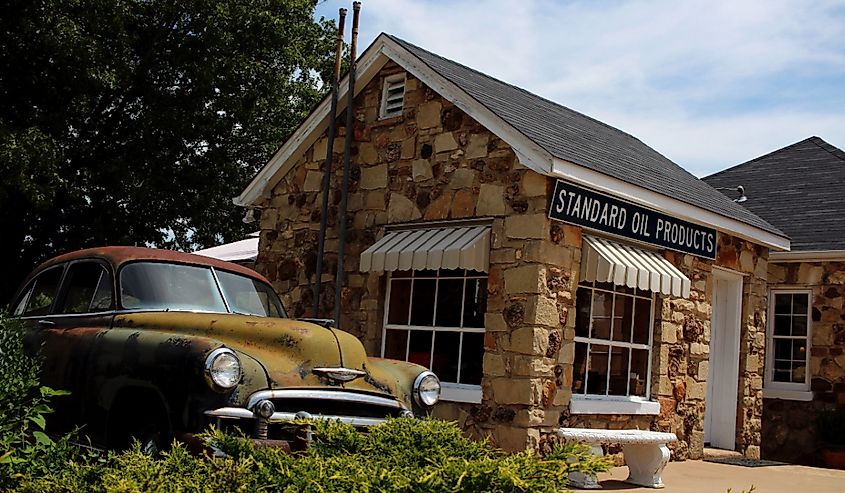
798,189
579,139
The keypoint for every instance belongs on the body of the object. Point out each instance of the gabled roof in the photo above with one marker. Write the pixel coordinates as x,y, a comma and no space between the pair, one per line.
547,137
798,188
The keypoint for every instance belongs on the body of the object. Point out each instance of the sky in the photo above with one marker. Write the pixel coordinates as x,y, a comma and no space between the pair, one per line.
709,84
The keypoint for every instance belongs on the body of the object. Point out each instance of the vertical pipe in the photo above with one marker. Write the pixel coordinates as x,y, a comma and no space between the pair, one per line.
347,147
327,171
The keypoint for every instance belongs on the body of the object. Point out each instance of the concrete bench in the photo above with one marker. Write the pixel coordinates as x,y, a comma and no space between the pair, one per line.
646,453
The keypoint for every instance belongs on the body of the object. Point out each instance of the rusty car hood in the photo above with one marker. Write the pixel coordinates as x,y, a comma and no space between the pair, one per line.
287,349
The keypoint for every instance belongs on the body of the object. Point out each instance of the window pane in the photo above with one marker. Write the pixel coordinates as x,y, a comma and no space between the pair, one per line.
449,298
783,304
618,371
799,372
799,304
43,292
400,302
622,314
799,325
579,371
82,281
395,344
419,351
401,274
249,296
799,349
639,372
103,296
782,323
783,349
445,364
602,304
475,302
451,273
472,353
780,374
597,375
422,308
642,321
161,286
425,273
582,312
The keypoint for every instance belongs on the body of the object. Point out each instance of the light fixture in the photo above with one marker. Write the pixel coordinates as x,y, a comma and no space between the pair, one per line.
738,189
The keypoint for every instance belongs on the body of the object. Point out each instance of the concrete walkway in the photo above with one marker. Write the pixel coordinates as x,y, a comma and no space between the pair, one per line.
695,476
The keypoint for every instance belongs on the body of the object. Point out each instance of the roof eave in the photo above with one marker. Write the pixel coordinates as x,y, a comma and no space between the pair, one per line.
653,200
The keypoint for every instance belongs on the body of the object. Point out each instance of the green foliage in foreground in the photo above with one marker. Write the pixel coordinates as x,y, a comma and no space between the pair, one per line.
402,455
405,455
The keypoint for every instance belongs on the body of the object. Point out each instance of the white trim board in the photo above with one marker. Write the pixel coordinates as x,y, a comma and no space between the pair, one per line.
807,256
528,152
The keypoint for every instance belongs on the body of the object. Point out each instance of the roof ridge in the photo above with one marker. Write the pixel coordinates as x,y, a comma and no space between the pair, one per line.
523,90
758,158
830,148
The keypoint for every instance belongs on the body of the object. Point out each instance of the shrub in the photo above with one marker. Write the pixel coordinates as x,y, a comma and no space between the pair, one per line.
403,455
25,448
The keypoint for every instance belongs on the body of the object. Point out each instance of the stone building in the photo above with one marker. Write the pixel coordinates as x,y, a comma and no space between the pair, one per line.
799,189
551,269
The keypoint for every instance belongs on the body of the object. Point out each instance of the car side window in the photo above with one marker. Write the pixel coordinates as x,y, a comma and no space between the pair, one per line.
88,289
40,295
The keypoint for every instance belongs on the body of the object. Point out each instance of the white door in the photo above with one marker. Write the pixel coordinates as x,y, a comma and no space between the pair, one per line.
723,375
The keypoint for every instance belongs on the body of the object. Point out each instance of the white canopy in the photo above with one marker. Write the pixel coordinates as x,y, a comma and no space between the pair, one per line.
462,247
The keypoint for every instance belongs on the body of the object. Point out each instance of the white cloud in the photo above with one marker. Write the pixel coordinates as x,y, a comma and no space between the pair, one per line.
707,83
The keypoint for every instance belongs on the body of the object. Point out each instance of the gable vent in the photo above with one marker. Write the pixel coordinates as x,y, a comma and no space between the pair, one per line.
392,96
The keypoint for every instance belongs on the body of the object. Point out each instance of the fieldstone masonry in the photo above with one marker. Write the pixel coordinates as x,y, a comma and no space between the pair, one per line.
788,432
435,163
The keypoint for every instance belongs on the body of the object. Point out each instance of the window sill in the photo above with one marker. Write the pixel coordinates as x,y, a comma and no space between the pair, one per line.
470,394
598,405
789,395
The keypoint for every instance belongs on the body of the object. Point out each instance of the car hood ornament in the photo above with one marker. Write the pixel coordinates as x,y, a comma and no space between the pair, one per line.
339,374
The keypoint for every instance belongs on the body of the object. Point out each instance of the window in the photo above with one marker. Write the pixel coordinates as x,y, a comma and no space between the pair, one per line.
39,296
788,344
159,286
250,297
435,318
392,96
88,289
612,341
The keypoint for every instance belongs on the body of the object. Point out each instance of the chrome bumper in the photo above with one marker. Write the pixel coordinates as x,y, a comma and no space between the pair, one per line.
241,413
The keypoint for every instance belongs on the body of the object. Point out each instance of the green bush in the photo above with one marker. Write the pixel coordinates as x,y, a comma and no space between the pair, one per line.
25,448
403,455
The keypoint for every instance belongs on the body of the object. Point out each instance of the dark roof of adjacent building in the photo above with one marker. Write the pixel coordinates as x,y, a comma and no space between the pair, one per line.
798,189
584,141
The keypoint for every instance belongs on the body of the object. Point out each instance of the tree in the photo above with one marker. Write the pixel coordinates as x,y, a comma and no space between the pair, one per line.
137,121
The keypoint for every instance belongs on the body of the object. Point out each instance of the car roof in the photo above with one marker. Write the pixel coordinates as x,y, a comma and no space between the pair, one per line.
119,255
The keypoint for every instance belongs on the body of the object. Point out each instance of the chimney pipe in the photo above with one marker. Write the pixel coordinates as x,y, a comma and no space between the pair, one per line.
327,168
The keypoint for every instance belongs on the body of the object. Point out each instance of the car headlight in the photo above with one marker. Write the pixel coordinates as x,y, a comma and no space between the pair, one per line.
427,389
222,369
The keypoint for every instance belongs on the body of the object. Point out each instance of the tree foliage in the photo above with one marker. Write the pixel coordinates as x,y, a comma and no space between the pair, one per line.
137,121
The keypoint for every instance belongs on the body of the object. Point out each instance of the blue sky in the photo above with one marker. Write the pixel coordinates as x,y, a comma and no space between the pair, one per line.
709,84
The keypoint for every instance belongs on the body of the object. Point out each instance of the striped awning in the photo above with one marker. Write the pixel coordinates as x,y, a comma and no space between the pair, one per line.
465,247
624,265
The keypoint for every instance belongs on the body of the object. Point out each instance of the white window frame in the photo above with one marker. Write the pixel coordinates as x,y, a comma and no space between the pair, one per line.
390,82
584,403
450,391
787,390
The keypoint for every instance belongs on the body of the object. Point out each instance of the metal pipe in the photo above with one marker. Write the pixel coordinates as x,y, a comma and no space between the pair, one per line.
327,173
347,147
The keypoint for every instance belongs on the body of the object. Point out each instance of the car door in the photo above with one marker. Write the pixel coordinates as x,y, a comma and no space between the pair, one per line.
82,309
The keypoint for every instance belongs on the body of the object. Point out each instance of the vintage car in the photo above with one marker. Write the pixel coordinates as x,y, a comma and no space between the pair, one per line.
154,344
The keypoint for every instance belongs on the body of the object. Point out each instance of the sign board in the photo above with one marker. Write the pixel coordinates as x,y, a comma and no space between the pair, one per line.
576,205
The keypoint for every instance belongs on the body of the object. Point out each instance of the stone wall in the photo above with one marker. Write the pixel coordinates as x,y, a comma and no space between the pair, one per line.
788,432
435,163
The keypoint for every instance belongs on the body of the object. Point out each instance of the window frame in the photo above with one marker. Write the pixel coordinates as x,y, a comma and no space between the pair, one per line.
62,293
385,86
787,390
450,391
585,397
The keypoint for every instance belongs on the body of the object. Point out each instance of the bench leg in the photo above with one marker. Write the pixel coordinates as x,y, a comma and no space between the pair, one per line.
645,463
586,481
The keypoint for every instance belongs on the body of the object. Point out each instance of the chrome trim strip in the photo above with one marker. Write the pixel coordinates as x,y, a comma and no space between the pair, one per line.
339,373
241,413
329,395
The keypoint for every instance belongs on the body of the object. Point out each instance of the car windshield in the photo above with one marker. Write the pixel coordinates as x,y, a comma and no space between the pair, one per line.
162,286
